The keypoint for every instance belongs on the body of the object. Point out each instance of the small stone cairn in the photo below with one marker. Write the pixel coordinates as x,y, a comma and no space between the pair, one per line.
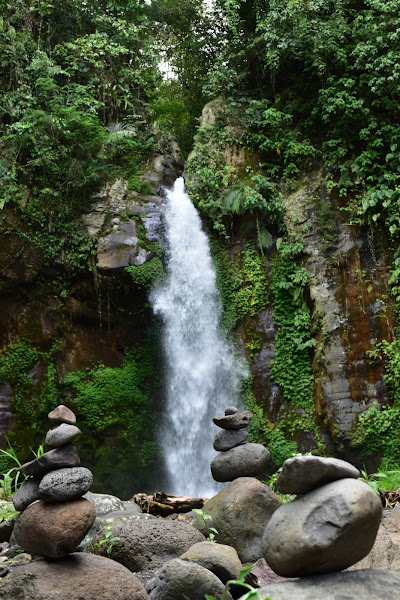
237,457
56,524
329,527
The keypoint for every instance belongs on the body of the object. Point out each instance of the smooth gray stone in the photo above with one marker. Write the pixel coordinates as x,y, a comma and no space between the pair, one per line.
61,435
27,493
62,414
238,420
366,584
248,460
66,456
328,529
179,579
227,439
220,559
231,410
301,474
240,513
146,544
131,507
64,485
105,503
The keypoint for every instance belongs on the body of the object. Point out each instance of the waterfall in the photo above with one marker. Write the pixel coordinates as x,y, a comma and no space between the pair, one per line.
202,372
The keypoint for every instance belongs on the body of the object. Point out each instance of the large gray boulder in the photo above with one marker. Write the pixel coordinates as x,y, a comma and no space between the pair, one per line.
328,529
220,559
367,584
53,530
240,513
146,544
76,577
181,580
249,460
63,485
301,474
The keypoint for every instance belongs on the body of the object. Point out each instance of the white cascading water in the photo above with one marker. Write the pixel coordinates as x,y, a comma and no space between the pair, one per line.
202,374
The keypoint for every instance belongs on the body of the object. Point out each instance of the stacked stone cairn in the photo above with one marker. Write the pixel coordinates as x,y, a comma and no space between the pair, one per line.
237,457
331,525
54,517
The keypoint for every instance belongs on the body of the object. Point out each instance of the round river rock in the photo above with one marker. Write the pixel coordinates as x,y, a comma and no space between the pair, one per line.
61,435
27,493
247,460
147,544
328,529
179,579
227,439
54,530
238,420
301,474
65,484
62,414
240,513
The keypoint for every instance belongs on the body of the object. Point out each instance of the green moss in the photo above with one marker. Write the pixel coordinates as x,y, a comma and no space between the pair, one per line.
118,419
146,275
327,225
261,431
378,432
16,361
32,399
291,368
378,428
242,281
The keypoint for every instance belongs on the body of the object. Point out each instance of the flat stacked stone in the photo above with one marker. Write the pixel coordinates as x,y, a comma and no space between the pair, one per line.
330,527
237,457
56,524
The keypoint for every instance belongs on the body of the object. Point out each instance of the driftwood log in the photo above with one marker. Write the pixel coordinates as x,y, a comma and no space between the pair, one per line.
162,504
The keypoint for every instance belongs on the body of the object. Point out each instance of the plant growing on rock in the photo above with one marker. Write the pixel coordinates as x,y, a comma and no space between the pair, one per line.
7,511
252,594
386,484
107,540
12,479
211,531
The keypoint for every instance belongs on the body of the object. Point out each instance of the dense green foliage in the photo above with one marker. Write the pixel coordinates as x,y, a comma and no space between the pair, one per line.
291,368
113,405
117,418
378,429
20,363
242,281
295,85
147,274
307,84
73,112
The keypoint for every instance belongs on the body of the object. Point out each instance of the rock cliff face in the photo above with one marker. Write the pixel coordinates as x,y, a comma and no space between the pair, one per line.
347,294
348,289
53,322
